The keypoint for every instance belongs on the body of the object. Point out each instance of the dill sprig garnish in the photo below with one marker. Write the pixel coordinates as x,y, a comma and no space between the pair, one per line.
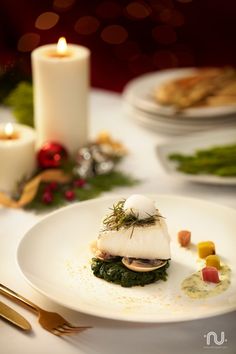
120,218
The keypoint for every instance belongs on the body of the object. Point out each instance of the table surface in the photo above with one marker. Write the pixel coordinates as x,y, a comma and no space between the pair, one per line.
107,336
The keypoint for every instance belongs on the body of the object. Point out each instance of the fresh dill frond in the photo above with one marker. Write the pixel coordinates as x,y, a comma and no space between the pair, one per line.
120,218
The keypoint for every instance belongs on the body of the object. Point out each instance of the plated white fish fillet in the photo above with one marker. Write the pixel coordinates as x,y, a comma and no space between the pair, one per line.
146,242
133,241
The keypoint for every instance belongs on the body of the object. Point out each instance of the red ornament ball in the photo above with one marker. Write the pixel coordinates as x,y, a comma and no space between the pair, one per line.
51,187
79,183
51,155
47,197
69,195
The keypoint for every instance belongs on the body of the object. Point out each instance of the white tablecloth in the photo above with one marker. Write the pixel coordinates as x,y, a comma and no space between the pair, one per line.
107,336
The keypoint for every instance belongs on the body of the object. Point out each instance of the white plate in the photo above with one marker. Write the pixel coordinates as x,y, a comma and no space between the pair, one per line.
139,93
165,125
54,256
189,145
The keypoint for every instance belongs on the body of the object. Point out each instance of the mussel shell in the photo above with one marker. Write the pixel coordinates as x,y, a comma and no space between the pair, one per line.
143,265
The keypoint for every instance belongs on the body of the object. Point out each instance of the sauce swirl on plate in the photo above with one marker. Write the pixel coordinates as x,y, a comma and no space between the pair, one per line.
196,288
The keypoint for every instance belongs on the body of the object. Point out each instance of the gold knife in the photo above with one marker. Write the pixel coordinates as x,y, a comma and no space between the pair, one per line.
14,317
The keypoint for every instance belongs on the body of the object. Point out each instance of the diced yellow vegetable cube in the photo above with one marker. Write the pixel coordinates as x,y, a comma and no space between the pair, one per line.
205,248
213,261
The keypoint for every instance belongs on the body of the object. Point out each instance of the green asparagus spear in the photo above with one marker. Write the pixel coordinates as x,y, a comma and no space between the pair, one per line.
218,160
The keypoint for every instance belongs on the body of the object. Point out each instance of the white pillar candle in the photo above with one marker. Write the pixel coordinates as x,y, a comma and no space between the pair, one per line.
61,84
17,155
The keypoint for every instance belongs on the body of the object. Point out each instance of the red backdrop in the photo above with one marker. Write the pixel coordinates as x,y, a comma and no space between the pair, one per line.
127,38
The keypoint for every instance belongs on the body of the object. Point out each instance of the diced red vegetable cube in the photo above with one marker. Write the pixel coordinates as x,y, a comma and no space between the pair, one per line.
210,274
184,237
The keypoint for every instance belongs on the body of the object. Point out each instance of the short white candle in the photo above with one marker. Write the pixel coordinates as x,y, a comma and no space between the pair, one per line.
61,88
17,155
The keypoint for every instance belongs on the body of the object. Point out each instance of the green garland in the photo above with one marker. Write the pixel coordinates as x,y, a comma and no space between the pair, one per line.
93,187
20,100
10,76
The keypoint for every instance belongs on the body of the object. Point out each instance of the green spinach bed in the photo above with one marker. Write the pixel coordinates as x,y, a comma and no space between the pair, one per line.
115,272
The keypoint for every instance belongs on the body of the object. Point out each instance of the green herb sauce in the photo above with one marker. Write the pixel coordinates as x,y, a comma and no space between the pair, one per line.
196,288
115,272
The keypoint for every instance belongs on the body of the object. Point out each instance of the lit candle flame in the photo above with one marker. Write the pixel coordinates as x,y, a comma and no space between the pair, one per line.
9,130
62,46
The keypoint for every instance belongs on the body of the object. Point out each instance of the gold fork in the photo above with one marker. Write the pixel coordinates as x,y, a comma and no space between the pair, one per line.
50,321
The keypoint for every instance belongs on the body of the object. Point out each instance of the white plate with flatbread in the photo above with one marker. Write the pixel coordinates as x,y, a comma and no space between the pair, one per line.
139,93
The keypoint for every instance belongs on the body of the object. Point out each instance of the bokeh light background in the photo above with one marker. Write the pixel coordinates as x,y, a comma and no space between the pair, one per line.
126,38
